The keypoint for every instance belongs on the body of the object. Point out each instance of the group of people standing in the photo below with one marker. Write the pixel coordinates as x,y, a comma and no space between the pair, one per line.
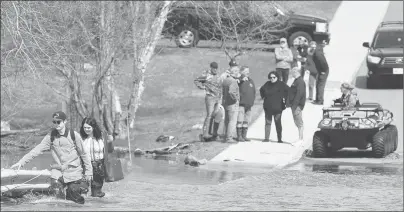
310,59
231,95
78,158
229,98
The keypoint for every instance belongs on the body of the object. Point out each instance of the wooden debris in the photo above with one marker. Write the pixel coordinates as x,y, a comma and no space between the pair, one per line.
5,173
14,132
25,187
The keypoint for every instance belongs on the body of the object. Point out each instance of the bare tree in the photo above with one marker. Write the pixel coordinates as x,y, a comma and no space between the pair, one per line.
57,39
241,21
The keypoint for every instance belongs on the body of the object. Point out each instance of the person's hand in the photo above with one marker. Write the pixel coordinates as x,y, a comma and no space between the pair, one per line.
64,167
322,73
55,166
89,178
16,166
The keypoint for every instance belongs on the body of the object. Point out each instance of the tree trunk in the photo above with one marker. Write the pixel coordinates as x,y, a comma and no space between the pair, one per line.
143,59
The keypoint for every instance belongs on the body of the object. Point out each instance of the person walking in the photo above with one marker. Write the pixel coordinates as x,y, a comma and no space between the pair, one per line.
230,102
284,59
247,98
210,81
94,147
297,99
68,153
322,67
274,92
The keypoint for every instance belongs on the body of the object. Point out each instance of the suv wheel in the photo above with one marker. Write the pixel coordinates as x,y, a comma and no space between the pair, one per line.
187,37
320,148
301,37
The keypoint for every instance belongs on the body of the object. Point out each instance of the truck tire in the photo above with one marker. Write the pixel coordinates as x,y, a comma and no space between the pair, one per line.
393,134
320,149
379,144
187,37
300,35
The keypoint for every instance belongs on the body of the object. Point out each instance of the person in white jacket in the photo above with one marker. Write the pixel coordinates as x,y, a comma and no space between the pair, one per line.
284,59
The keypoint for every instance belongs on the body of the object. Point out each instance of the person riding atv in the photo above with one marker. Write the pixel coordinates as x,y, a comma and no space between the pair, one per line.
349,96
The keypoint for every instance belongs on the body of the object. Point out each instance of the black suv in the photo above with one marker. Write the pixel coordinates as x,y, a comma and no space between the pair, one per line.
385,56
189,24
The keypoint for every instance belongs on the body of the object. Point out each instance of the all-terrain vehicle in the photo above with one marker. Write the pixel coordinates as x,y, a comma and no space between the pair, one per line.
363,126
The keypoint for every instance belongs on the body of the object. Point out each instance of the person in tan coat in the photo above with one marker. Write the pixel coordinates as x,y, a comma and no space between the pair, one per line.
69,155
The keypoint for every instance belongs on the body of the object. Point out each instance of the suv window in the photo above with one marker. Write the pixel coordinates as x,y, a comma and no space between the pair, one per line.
389,39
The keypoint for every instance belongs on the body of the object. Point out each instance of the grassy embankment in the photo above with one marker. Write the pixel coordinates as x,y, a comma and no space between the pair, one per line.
171,103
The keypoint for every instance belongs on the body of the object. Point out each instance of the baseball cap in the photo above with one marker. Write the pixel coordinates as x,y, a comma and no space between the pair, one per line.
232,63
59,115
347,86
214,65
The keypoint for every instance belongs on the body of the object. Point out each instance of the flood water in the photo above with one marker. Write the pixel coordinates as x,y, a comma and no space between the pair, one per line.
171,185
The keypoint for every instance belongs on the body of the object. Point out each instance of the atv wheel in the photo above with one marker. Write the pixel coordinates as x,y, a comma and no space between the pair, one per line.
187,37
320,149
379,144
393,134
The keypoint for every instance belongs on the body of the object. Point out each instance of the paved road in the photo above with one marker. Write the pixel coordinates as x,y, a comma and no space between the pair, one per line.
391,94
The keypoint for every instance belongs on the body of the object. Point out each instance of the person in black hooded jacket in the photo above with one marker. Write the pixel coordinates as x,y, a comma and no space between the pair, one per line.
274,92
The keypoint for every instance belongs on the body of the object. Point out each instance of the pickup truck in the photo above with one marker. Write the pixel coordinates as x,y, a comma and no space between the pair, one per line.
188,24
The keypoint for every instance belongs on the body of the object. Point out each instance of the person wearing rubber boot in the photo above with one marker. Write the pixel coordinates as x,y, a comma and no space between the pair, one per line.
297,99
247,98
211,83
61,142
274,92
217,119
230,102
94,147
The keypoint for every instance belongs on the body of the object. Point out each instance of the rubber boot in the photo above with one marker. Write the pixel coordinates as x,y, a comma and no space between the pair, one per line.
267,132
244,133
96,192
239,134
215,129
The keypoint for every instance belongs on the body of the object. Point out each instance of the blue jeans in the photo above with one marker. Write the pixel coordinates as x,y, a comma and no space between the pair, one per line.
210,102
244,117
230,120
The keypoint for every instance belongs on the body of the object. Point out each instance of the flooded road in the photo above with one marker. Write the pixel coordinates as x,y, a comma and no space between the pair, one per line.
170,185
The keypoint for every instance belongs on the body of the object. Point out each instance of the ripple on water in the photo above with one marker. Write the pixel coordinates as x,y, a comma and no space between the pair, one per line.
187,188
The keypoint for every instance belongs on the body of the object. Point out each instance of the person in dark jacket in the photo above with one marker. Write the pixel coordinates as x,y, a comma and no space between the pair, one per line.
230,102
322,67
274,92
310,67
247,98
297,99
